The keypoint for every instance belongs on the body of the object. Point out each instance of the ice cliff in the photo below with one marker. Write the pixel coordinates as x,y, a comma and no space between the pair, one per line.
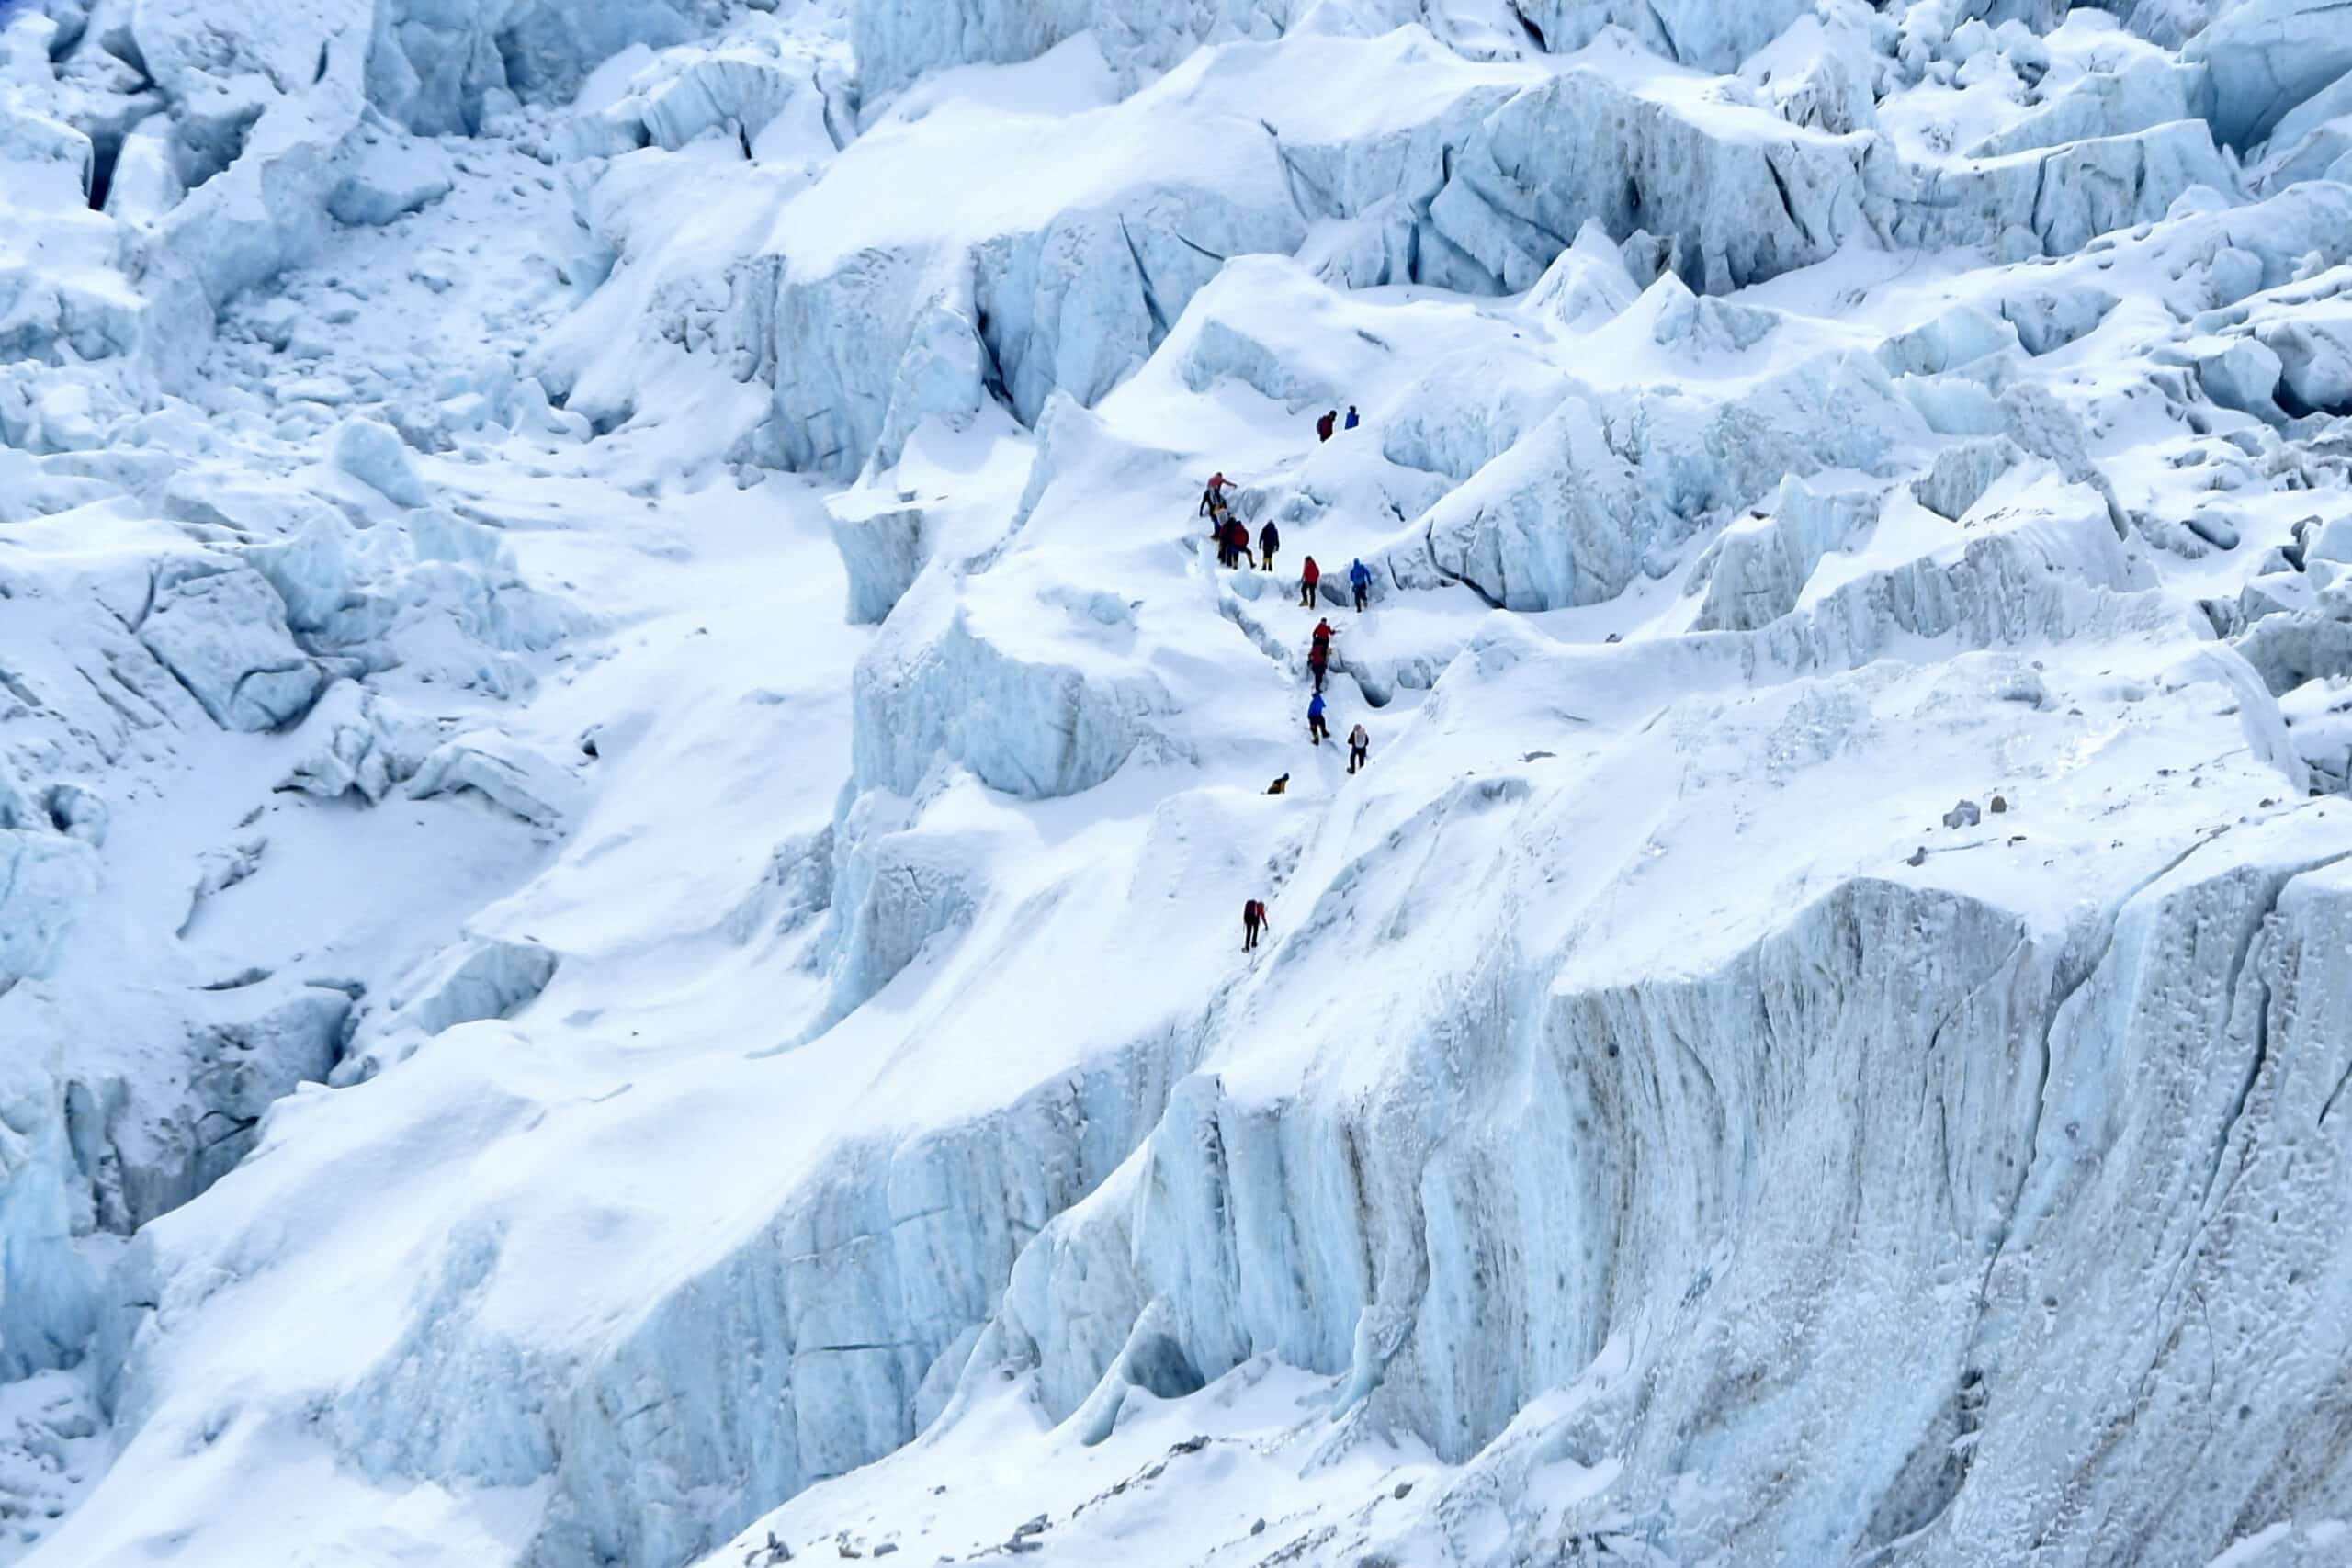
625,772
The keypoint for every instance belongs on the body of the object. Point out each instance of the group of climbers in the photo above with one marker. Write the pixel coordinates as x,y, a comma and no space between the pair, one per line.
1330,421
1310,582
1232,535
1318,729
1232,538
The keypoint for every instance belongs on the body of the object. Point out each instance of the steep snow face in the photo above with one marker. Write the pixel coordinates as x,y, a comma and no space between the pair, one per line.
625,761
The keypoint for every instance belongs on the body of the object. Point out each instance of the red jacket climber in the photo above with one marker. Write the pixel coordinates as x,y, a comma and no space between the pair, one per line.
1212,497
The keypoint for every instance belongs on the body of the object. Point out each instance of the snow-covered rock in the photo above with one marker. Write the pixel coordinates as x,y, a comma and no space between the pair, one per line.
777,101
947,685
507,773
895,43
222,632
372,452
2146,90
2264,58
1573,511
2049,319
50,876
349,749
1748,199
152,1144
2291,649
1680,319
857,330
2314,353
434,67
2311,140
1690,32
480,979
1587,281
1962,474
2033,564
2242,375
382,177
146,183
883,551
1758,566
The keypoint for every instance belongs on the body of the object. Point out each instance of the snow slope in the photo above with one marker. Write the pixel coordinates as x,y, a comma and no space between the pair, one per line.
624,779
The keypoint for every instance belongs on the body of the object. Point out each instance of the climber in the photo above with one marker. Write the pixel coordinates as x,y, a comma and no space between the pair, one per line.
1322,638
1323,426
1351,423
1359,748
1316,730
1281,785
1309,576
1360,578
1253,916
1212,497
1319,661
1237,539
1269,541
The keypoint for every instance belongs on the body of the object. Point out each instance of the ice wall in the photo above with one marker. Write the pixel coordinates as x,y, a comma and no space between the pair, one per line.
1725,1170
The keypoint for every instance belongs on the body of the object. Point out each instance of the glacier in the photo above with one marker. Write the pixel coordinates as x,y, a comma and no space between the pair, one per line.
625,768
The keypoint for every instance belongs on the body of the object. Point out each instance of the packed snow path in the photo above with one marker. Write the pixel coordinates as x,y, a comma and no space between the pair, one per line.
626,774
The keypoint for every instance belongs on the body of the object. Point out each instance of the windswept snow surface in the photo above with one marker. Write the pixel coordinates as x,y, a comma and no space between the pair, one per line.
626,775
